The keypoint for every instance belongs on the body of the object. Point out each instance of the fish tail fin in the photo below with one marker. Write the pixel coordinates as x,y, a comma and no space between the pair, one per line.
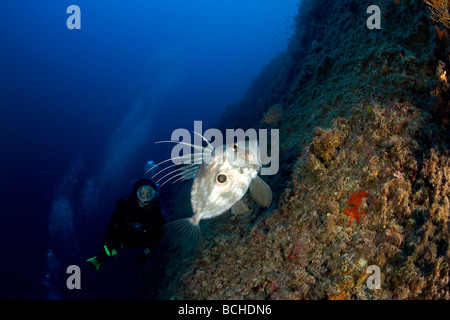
184,232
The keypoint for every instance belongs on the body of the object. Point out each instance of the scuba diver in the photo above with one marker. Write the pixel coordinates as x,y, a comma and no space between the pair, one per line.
136,221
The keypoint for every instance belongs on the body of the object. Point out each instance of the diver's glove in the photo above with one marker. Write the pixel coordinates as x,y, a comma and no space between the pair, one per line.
94,262
115,254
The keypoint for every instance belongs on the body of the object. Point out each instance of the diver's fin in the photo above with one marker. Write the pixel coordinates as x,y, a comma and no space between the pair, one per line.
260,192
240,207
184,232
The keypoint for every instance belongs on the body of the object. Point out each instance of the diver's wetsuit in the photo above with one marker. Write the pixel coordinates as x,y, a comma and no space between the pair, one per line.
132,225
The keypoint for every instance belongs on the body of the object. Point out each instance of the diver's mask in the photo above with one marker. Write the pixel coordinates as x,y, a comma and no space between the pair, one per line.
145,195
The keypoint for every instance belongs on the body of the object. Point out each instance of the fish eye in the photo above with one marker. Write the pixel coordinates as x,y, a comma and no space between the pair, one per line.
221,178
234,147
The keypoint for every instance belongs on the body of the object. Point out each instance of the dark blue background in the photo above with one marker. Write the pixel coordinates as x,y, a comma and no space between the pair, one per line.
66,95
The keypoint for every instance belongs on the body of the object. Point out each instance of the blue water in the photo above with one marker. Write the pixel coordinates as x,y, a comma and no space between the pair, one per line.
80,111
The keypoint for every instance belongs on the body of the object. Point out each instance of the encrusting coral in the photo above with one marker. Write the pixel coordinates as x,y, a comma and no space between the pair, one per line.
439,11
354,201
274,115
363,134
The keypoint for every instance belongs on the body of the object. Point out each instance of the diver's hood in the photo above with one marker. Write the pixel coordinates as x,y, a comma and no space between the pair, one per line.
143,182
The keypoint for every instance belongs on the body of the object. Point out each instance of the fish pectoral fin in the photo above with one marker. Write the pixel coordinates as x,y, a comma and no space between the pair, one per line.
240,207
260,192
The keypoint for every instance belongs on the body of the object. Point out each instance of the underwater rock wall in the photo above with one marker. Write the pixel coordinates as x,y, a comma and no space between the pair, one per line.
364,165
